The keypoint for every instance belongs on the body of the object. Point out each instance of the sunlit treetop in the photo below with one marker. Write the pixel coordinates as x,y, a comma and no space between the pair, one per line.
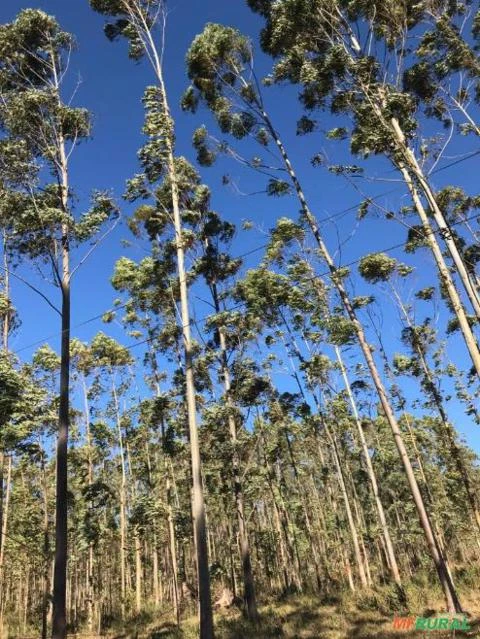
131,19
26,48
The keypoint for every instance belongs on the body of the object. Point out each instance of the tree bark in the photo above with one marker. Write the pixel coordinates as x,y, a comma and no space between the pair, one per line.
198,505
4,512
59,623
46,553
59,620
138,573
123,504
392,561
348,510
90,594
173,554
443,227
448,431
248,579
451,597
445,275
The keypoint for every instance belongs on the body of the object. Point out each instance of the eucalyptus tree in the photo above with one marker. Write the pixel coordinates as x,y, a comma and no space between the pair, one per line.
316,45
218,268
136,20
150,288
460,211
94,494
15,165
111,358
284,234
44,369
390,552
444,75
420,338
220,68
34,54
289,300
22,408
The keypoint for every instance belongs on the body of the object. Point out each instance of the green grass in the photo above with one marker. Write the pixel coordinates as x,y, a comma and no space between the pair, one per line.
364,616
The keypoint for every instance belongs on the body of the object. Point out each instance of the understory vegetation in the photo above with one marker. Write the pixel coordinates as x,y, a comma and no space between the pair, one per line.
266,434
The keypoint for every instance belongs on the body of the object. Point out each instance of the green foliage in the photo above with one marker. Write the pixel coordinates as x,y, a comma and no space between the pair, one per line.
338,133
205,156
377,267
38,128
278,188
341,331
426,293
272,405
127,16
216,59
108,353
284,234
89,224
362,301
305,125
22,404
417,238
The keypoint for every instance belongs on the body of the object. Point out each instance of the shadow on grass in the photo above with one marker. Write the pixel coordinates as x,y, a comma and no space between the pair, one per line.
167,631
304,620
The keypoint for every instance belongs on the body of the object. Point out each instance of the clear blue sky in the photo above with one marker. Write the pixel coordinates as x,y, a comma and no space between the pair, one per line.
111,86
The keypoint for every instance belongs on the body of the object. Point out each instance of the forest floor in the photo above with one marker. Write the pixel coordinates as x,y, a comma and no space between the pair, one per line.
302,618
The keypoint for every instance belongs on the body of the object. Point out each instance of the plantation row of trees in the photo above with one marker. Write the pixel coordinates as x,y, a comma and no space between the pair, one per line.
259,435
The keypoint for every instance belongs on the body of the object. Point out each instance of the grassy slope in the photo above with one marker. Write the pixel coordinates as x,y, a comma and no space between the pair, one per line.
303,618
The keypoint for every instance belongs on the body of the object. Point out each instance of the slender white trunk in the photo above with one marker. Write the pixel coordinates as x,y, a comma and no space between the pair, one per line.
445,275
451,597
445,232
123,505
391,558
59,621
198,504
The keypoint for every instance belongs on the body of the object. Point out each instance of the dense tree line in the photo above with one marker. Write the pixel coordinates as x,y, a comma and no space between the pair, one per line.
186,468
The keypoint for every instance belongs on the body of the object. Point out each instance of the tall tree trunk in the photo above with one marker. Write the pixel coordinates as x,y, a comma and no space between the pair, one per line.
198,505
155,569
2,496
451,597
392,561
123,503
173,554
46,553
90,594
445,275
59,619
412,163
138,572
59,623
409,161
6,290
143,28
448,432
248,580
4,512
348,509
170,479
